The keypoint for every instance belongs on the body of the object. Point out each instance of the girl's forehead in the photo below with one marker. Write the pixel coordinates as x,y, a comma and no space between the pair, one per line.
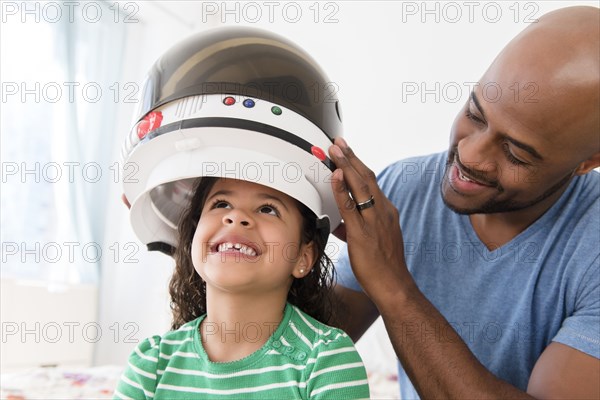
237,187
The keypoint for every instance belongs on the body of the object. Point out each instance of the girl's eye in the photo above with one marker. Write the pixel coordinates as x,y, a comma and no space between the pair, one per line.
269,209
220,204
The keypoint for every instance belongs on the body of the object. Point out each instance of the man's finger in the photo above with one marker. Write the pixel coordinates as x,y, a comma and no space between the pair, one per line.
345,204
360,189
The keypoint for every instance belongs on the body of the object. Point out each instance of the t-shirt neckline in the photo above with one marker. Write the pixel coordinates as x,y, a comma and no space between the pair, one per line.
250,359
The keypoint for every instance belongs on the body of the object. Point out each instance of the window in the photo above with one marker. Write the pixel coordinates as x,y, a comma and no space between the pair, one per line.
57,135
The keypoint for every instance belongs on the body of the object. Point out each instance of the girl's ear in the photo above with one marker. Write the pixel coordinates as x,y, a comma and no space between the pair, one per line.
306,260
588,165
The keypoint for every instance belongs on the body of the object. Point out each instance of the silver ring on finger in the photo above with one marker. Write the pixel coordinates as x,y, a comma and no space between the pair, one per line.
366,204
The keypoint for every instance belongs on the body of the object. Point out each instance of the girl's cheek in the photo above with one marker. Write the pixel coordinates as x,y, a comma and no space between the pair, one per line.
197,250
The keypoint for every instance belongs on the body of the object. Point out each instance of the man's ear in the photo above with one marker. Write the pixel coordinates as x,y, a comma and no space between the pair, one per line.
588,165
306,259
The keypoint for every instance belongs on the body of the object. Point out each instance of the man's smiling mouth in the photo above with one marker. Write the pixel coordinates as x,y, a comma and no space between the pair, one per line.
465,177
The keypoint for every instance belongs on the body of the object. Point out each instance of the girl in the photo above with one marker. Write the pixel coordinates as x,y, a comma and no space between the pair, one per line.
250,299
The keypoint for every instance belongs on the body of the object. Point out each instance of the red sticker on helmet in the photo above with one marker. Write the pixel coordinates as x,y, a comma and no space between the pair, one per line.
143,128
318,152
150,122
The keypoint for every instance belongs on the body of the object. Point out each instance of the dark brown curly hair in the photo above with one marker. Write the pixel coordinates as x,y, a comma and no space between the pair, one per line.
311,294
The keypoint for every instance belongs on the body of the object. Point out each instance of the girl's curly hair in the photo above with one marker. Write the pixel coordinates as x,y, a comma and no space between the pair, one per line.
312,293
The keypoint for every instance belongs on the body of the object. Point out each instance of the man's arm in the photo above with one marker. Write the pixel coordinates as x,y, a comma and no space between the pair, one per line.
439,365
355,312
563,372
436,359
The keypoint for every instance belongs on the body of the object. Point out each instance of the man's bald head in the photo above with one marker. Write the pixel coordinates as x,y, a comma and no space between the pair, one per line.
555,64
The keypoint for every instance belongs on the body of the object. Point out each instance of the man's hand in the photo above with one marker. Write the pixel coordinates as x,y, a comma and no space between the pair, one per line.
125,201
375,244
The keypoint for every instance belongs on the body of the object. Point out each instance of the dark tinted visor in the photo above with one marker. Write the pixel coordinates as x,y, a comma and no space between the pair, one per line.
244,62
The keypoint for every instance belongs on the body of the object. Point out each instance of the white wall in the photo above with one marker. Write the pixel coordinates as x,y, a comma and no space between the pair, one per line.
373,52
44,325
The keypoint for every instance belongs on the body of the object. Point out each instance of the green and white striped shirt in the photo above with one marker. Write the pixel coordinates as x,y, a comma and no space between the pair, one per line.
303,359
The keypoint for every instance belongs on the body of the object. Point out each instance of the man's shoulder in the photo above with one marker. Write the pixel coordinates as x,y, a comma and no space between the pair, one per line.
413,165
578,210
413,178
578,217
587,189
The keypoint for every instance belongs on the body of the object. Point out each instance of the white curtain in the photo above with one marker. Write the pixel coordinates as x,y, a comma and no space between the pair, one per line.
60,82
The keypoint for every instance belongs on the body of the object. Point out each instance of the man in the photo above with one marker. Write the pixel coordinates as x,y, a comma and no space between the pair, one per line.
492,289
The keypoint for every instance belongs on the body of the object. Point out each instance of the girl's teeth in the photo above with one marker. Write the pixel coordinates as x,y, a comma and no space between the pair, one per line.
238,246
247,251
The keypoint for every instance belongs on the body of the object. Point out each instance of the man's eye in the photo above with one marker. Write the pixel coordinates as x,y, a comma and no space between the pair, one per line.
473,117
509,155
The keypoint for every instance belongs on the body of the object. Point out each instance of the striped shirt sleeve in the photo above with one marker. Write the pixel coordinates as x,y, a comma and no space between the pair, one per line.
338,371
138,381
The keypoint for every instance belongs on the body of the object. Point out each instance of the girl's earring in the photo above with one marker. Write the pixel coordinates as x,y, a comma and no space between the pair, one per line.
302,270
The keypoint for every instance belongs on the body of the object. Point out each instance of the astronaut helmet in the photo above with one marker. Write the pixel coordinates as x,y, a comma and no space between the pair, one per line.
232,102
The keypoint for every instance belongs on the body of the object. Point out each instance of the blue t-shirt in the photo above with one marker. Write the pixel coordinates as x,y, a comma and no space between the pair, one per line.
507,304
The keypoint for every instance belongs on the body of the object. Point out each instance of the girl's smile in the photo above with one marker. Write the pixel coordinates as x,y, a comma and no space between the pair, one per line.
246,224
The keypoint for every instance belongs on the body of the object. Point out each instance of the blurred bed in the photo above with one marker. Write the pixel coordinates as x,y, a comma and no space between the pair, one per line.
60,383
99,382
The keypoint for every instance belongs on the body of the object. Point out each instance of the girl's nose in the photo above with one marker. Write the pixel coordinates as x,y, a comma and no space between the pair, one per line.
237,217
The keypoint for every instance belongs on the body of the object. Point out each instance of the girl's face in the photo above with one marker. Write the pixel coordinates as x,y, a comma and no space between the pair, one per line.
248,239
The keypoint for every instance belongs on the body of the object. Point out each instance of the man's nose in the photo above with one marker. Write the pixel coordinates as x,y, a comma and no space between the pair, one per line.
479,153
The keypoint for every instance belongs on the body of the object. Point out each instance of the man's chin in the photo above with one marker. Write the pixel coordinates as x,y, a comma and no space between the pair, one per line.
456,209
446,193
491,207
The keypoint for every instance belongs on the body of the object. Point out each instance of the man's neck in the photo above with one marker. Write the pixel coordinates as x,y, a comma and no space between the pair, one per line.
495,230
